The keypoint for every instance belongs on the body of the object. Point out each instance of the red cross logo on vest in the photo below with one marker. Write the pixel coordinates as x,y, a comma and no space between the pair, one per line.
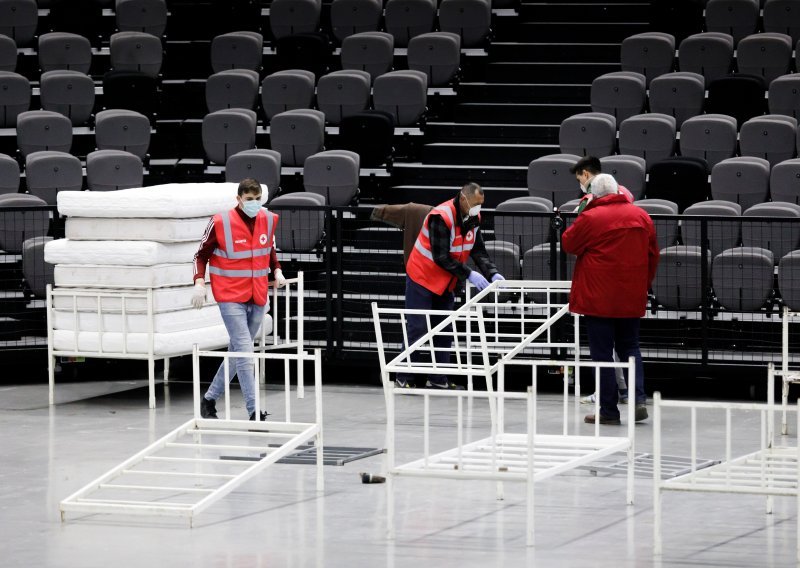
469,236
262,239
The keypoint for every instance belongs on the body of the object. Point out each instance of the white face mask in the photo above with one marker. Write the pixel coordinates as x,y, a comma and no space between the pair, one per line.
474,210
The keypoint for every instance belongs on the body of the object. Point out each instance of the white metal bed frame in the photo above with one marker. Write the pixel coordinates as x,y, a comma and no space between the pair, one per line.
208,473
788,375
529,456
771,470
263,343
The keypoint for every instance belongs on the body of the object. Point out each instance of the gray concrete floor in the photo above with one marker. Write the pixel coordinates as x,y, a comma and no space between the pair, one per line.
278,519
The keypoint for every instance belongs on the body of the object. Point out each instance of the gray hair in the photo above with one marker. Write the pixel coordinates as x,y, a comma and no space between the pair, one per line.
604,184
471,188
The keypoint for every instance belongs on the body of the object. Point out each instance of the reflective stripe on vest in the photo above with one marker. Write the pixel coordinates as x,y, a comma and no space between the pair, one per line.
238,273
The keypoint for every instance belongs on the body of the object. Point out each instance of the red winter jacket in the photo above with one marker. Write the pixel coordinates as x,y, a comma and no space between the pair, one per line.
615,243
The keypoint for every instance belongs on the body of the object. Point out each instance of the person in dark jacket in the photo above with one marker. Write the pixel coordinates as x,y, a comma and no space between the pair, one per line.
615,242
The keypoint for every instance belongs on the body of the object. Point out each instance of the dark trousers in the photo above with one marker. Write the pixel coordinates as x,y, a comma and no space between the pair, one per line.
420,298
605,336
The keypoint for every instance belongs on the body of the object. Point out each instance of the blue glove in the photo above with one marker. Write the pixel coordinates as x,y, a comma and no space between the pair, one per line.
477,280
497,277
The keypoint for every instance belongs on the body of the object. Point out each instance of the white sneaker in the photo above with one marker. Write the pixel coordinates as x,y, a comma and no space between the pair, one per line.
589,399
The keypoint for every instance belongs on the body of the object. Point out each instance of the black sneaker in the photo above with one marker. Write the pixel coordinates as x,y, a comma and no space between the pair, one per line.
444,386
640,413
263,418
208,408
403,383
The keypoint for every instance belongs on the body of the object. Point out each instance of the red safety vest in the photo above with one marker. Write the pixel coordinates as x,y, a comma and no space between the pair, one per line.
240,265
422,269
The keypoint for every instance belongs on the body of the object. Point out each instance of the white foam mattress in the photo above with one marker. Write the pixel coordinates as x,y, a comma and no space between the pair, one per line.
164,300
110,276
172,200
165,322
132,229
164,344
127,253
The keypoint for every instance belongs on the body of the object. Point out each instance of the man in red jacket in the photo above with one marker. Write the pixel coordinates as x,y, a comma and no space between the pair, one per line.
615,242
239,247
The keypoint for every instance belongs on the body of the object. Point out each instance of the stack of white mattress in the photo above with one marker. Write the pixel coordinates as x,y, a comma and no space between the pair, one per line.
122,244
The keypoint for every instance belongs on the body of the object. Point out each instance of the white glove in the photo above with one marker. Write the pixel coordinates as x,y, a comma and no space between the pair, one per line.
280,281
199,293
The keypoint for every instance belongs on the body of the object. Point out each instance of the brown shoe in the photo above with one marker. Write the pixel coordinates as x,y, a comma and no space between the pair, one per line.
590,419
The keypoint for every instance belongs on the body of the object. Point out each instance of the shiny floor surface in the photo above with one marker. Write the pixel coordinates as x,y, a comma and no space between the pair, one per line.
278,519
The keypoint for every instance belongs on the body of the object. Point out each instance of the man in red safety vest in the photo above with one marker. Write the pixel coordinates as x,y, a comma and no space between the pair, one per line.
239,247
437,264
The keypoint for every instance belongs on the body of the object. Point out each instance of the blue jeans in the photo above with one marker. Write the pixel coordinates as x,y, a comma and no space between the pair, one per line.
605,336
420,298
242,322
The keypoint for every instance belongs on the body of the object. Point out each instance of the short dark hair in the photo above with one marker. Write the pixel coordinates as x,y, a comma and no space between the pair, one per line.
471,188
248,185
589,164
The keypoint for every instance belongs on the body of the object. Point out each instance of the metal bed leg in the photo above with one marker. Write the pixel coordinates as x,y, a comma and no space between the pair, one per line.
151,380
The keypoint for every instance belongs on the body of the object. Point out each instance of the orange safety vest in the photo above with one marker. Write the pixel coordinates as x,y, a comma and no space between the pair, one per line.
240,264
422,269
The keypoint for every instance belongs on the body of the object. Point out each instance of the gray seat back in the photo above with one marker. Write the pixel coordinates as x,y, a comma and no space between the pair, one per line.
766,54
38,273
9,175
121,129
233,88
226,132
343,93
549,177
711,137
742,278
784,181
780,234
405,19
524,231
739,18
782,16
69,92
680,94
437,54
297,134
708,54
666,229
789,279
18,226
39,130
289,17
588,134
403,94
469,19
679,276
108,170
148,16
18,20
742,180
333,175
372,52
48,172
506,258
621,94
722,234
237,50
772,137
651,54
300,229
783,96
62,50
8,54
15,97
287,90
261,165
136,51
650,136
629,171
349,17
537,265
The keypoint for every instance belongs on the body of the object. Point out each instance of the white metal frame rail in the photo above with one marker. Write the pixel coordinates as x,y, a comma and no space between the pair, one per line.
788,375
210,457
770,470
99,298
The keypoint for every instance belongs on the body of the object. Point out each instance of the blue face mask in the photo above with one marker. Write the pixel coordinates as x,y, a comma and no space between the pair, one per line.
251,208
